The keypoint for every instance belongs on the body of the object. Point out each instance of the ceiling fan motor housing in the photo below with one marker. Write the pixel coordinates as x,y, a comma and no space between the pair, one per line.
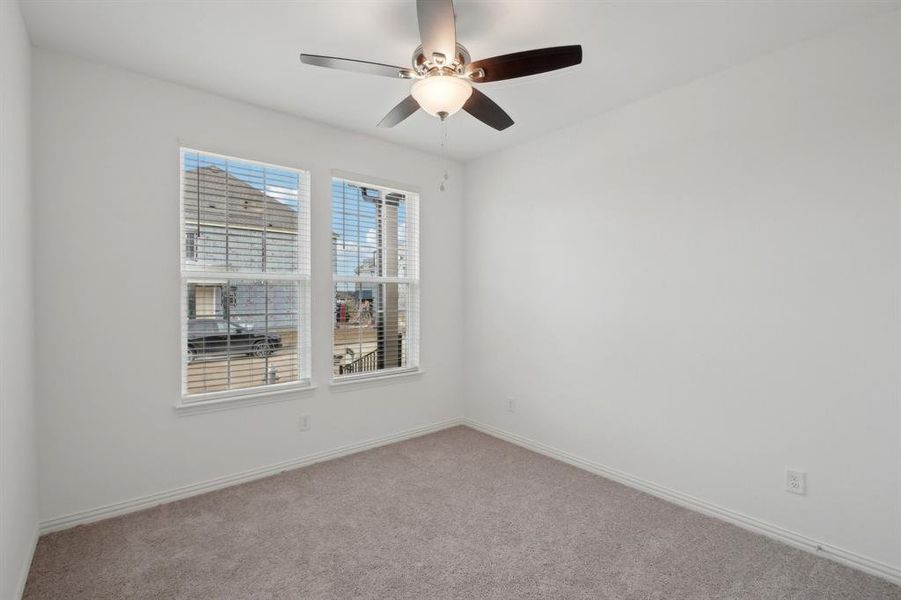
424,65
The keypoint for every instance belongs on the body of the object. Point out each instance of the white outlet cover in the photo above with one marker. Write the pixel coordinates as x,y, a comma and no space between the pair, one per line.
511,405
304,422
796,482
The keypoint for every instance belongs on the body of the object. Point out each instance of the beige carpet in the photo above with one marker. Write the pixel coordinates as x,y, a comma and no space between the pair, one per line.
455,514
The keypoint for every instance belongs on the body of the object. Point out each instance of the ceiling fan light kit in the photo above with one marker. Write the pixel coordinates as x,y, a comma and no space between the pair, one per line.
441,95
444,74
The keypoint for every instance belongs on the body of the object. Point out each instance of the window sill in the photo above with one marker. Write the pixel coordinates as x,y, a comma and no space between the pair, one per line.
354,381
228,401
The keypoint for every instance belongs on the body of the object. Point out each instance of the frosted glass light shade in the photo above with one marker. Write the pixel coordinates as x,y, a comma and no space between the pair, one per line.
441,94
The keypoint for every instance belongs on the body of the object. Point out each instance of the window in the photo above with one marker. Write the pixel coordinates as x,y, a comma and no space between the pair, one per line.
375,239
191,245
245,274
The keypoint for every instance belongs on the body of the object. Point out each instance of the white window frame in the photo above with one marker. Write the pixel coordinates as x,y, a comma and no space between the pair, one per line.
414,339
191,272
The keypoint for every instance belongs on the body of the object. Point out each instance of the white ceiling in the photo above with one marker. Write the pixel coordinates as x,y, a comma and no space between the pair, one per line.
248,50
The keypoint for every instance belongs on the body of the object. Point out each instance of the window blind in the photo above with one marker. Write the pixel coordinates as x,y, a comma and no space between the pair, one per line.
375,260
245,240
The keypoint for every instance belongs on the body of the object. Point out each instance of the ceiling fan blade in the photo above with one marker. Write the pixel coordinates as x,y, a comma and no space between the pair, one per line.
407,107
485,110
522,64
436,28
359,66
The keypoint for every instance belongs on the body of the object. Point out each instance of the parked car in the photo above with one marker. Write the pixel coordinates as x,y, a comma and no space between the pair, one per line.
218,336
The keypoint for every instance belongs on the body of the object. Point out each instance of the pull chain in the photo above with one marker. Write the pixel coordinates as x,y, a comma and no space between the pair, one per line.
443,185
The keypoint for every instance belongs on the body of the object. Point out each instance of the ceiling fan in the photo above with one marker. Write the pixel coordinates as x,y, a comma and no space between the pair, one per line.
444,74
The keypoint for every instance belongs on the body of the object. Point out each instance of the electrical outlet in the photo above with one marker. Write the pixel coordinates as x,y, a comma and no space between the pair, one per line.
511,405
796,482
304,422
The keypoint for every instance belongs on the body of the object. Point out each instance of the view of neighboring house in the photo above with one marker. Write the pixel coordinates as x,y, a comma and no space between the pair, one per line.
235,226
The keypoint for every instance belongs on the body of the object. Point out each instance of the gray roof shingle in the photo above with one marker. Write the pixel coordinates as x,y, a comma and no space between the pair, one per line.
221,198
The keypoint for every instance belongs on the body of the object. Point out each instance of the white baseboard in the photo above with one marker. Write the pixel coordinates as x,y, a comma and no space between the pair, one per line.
136,504
26,568
797,540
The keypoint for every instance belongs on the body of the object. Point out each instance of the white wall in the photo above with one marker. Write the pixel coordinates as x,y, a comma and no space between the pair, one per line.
702,288
106,185
18,446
